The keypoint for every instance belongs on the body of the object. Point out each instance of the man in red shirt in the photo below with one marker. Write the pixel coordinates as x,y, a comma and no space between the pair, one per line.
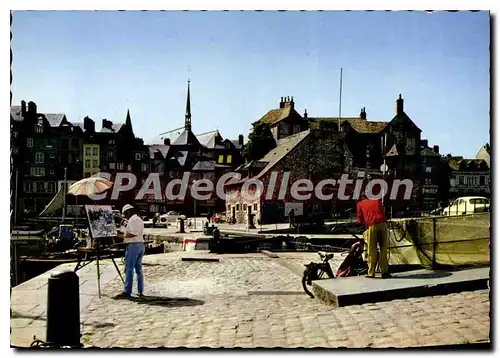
371,213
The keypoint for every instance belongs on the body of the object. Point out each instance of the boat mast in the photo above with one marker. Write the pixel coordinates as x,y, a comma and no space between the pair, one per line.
64,197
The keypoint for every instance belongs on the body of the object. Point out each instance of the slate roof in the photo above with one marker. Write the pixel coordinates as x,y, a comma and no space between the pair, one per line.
186,138
283,147
180,157
15,112
54,119
275,115
358,124
236,143
428,152
79,124
467,164
115,128
161,148
209,139
403,119
207,165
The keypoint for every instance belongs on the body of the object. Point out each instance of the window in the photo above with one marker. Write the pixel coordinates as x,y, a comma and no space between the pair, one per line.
479,201
27,187
428,181
244,207
51,187
237,207
461,180
39,158
40,186
111,141
52,171
129,167
15,134
38,128
255,206
29,142
229,158
221,159
87,163
112,166
88,151
94,164
428,169
137,156
95,152
482,180
119,166
111,153
144,167
52,155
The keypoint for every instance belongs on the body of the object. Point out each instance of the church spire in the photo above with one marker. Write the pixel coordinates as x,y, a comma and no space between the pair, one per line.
187,121
128,122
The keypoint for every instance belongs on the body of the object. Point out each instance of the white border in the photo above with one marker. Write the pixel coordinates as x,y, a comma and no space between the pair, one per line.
212,5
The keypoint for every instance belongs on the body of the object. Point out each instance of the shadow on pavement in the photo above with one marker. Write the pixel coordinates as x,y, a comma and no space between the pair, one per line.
166,301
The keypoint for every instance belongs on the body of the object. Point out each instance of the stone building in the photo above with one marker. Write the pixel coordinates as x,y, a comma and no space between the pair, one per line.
321,148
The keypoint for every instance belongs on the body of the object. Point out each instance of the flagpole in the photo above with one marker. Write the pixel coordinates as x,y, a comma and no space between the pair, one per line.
340,98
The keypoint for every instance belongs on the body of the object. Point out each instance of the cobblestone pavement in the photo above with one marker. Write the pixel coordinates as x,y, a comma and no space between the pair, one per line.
252,300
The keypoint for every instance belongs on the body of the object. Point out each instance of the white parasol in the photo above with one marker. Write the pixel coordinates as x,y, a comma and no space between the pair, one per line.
90,186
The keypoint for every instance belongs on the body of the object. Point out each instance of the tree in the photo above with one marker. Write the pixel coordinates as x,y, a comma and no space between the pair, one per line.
260,142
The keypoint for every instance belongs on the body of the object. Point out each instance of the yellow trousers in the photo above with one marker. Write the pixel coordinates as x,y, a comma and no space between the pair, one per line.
377,234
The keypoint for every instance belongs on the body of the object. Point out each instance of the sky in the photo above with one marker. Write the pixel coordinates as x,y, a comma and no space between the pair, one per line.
99,64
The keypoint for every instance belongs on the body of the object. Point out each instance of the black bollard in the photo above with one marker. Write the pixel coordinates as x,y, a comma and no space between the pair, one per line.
63,309
181,226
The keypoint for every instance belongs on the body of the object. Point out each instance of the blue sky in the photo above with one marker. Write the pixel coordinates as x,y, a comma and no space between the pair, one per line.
241,63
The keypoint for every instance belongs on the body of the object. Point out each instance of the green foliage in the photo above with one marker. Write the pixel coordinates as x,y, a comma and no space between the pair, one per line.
260,142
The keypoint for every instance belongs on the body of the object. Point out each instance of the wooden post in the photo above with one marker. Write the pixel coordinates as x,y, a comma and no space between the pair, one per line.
434,244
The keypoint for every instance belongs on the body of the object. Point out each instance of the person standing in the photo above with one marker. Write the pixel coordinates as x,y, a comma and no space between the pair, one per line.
134,252
371,213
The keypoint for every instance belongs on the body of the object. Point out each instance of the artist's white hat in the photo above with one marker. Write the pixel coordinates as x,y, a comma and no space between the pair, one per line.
127,207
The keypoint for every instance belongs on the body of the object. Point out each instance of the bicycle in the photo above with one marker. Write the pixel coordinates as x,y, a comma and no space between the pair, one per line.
315,271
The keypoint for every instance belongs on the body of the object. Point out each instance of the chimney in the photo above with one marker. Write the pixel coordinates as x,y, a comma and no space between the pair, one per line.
107,124
241,140
287,102
448,156
362,114
23,108
436,149
32,110
424,143
88,125
166,141
399,105
305,113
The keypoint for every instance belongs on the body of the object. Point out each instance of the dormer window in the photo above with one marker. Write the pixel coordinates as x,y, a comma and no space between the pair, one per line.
39,127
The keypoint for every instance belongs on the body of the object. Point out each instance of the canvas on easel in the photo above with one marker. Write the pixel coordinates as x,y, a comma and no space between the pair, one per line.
101,225
101,221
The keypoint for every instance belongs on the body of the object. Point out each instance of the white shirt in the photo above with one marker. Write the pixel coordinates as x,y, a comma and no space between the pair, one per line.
134,226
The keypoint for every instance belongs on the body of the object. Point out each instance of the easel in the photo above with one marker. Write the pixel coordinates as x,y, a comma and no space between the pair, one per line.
97,250
85,251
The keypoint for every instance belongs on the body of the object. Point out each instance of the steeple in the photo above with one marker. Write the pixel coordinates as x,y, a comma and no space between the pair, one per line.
187,121
128,122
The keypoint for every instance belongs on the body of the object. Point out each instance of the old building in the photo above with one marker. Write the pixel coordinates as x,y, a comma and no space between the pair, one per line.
468,177
319,148
204,156
48,149
435,177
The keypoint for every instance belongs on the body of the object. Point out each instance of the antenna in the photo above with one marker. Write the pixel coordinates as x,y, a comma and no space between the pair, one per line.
340,98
